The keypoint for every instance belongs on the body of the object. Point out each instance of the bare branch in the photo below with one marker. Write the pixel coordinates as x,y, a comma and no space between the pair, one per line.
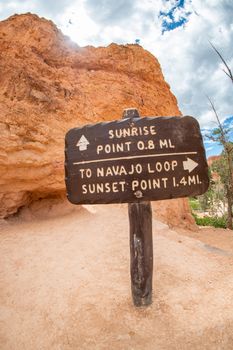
217,117
228,73
212,138
221,136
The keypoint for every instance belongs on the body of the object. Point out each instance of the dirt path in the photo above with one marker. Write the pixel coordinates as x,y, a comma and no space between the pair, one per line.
65,285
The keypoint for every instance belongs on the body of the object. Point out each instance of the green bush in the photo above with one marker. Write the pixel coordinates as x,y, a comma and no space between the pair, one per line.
194,204
219,222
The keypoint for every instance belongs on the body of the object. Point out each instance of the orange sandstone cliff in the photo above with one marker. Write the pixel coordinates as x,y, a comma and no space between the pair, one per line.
212,159
49,85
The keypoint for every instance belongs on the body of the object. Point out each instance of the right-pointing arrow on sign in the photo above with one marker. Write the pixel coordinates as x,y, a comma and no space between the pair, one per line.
189,165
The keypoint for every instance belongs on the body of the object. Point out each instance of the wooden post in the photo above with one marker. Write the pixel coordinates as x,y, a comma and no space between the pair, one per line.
141,244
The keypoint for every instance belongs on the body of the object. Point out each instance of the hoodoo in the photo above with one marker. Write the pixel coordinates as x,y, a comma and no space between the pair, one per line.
50,85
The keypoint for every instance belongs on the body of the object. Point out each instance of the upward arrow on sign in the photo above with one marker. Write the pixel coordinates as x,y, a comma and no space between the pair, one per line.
189,165
82,143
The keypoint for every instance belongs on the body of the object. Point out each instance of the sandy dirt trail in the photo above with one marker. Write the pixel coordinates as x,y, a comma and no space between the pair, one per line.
65,284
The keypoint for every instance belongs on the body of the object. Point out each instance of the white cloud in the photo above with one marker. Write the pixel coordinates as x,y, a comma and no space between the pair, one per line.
75,23
209,141
189,64
8,8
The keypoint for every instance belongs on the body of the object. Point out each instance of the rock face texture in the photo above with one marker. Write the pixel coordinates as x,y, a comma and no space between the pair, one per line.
212,159
49,85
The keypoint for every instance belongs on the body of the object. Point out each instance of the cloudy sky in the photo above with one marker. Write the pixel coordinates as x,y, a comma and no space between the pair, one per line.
177,32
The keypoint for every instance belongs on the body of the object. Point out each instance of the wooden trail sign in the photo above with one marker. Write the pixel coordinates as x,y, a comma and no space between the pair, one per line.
141,244
135,159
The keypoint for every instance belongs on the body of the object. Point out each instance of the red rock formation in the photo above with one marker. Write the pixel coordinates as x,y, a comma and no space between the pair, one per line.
214,174
49,85
211,159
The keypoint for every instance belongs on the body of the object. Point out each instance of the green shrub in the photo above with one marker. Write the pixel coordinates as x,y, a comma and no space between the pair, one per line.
219,222
194,204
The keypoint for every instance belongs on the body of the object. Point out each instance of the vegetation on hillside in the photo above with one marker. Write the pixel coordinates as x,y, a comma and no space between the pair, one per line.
220,193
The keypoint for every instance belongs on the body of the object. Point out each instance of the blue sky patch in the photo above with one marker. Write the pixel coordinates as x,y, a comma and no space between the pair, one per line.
214,148
175,17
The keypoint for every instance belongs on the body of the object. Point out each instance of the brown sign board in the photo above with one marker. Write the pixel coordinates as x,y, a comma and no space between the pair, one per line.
135,159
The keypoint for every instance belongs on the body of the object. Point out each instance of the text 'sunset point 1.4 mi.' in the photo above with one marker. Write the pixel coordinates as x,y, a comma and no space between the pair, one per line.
135,159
